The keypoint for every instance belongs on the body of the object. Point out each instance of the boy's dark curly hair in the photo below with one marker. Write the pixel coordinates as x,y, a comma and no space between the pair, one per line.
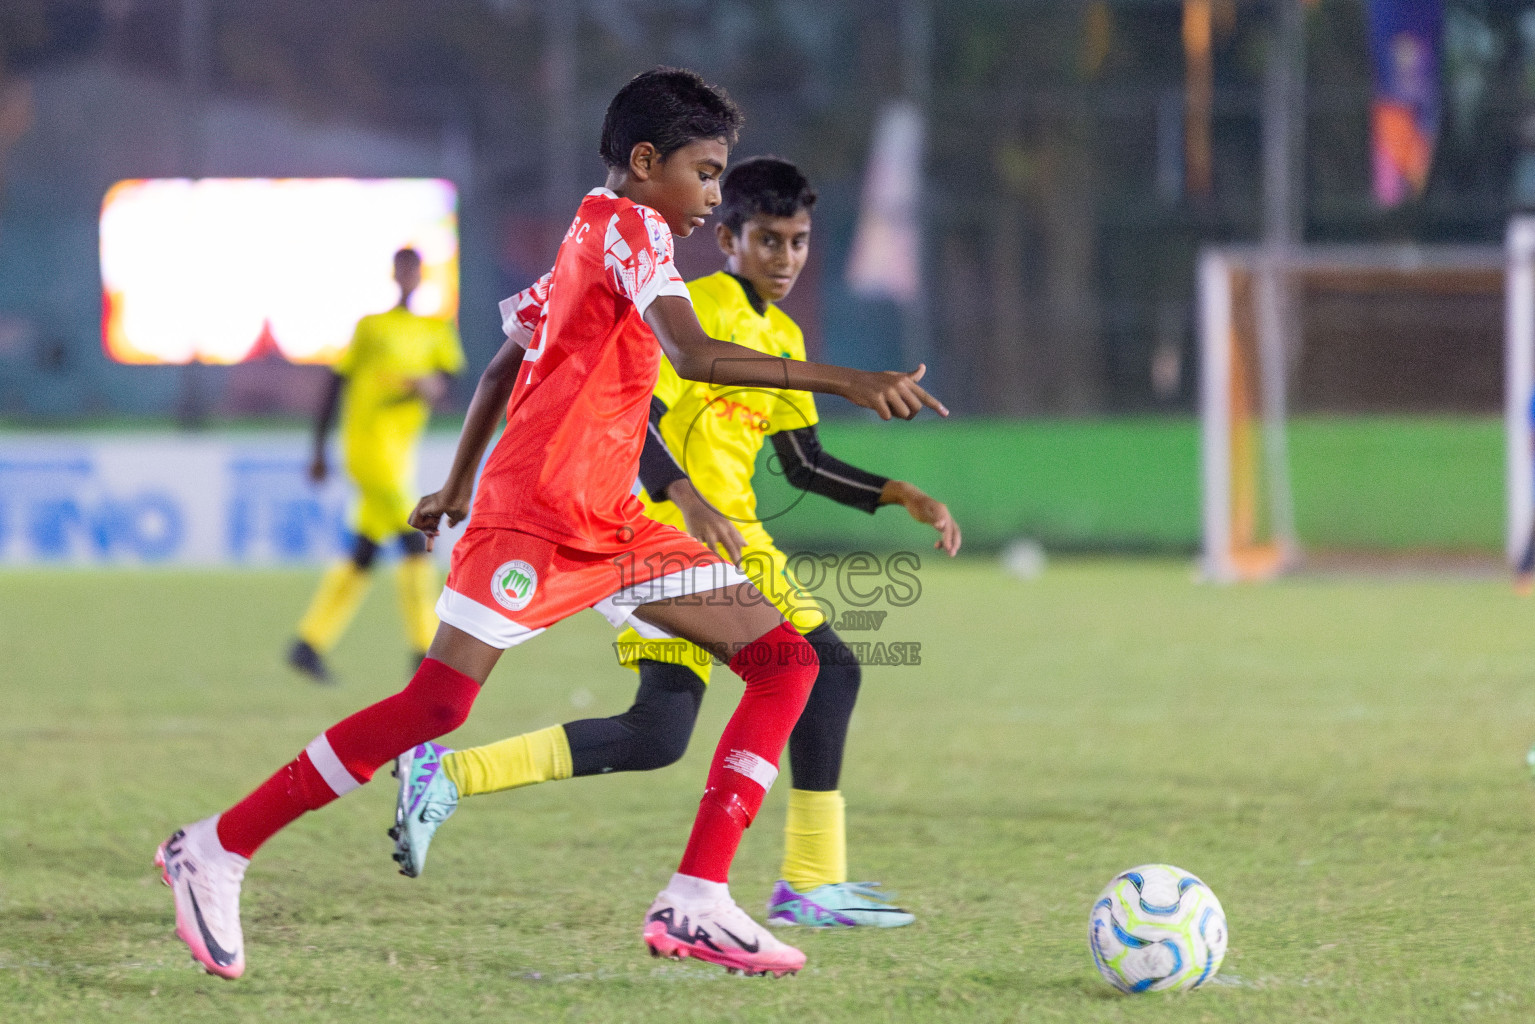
763,186
668,108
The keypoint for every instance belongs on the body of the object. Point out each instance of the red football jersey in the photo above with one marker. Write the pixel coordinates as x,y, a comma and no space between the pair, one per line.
565,467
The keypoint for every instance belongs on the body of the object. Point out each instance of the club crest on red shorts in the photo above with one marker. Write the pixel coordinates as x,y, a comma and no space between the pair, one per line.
514,584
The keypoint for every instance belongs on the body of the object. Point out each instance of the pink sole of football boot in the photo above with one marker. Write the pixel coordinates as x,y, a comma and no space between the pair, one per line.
663,944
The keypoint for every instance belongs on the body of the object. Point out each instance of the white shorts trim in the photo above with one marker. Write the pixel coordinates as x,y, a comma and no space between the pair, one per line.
323,756
699,579
649,632
480,622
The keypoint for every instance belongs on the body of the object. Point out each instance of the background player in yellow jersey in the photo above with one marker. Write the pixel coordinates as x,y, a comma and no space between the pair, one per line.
396,367
715,434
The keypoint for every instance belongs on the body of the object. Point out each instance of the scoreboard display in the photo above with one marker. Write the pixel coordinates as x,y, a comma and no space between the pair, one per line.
222,270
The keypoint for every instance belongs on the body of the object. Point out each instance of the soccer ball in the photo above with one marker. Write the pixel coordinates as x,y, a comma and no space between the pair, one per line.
1157,928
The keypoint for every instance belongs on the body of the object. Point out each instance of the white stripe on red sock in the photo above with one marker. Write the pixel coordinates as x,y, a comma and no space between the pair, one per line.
325,761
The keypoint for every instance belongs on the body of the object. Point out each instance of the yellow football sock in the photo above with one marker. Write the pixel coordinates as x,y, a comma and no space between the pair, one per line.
340,594
417,580
815,839
541,756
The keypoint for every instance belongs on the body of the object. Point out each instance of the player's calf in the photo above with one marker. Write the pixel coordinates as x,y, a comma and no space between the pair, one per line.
779,669
694,916
205,863
652,734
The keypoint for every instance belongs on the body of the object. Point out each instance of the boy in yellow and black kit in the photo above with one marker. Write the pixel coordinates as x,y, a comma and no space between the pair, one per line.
696,470
396,367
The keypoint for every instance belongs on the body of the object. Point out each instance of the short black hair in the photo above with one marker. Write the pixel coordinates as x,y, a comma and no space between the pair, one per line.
408,254
668,108
763,186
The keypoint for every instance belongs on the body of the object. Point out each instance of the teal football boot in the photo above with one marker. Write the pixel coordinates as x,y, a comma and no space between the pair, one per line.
426,799
842,905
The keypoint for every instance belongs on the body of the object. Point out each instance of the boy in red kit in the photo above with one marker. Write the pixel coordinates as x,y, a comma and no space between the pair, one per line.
556,530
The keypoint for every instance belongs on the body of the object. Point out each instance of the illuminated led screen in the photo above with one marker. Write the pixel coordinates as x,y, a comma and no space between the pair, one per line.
220,270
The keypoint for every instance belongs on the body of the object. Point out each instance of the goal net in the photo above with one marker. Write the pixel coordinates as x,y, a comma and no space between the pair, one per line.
1366,402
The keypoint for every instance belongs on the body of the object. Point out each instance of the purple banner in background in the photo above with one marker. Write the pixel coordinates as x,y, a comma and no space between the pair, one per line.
1405,38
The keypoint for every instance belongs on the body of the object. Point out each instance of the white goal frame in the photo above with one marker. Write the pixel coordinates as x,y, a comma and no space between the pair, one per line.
1228,555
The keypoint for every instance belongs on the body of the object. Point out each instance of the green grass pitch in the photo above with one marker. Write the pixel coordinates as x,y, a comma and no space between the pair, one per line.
1341,760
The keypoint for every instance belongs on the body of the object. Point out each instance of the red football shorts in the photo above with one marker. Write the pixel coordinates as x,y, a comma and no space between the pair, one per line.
505,587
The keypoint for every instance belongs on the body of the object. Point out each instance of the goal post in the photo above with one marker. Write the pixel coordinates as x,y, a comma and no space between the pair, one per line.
1236,545
1305,325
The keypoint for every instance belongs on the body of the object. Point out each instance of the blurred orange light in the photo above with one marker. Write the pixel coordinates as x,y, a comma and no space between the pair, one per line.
1199,96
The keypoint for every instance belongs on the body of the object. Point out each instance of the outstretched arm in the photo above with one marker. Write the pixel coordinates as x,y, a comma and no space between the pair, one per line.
485,409
323,421
810,467
696,356
925,509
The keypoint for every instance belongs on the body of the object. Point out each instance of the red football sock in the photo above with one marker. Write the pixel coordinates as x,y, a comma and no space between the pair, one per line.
779,668
347,754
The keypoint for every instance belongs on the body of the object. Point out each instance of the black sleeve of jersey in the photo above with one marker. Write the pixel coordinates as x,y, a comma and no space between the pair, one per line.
658,470
809,467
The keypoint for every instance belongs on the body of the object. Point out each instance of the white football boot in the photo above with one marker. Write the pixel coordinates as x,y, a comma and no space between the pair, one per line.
205,879
717,932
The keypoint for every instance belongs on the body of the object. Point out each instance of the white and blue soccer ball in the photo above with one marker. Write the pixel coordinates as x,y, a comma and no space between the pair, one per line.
1157,928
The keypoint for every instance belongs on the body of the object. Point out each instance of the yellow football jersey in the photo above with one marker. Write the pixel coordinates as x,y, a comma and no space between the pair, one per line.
715,432
381,420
